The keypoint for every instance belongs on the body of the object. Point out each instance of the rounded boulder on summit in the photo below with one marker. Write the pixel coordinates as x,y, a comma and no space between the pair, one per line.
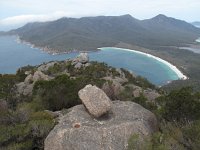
79,130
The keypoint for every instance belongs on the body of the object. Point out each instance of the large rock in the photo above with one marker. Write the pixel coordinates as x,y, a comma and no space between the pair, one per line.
151,95
29,79
82,58
113,88
78,66
137,91
77,130
38,75
45,67
95,100
24,88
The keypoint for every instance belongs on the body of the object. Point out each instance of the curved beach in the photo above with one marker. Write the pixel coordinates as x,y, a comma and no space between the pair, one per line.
198,40
172,67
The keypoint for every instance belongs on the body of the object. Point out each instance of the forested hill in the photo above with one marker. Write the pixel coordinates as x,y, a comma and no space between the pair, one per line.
89,33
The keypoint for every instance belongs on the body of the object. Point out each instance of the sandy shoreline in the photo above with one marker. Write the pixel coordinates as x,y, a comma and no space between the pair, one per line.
56,52
198,40
171,66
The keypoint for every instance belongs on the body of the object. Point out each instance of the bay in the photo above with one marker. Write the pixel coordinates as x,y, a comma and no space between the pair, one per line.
14,55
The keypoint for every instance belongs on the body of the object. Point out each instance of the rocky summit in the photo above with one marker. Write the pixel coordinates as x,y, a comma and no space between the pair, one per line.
95,100
78,130
81,60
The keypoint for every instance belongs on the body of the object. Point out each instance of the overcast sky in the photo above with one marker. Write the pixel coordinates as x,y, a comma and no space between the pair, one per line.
14,13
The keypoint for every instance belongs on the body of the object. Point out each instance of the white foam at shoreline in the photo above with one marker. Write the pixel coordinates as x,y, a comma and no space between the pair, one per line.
198,40
174,68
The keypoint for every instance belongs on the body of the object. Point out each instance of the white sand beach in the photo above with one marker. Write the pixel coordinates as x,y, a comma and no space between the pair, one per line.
171,66
198,40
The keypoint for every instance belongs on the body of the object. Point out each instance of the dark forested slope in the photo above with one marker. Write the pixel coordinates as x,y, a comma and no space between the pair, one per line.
89,33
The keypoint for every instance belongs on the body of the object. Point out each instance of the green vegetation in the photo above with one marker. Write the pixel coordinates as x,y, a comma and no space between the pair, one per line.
181,105
62,92
25,121
25,128
179,117
6,83
87,34
160,36
138,80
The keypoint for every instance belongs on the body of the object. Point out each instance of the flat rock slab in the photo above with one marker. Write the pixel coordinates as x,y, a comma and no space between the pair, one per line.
95,100
78,130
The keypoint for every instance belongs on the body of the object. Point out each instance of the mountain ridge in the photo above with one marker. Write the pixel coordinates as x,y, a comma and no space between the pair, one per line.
90,33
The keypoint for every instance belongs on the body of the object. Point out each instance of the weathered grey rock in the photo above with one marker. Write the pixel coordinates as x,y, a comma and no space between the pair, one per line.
27,72
24,88
87,64
121,73
45,67
38,75
81,58
29,79
78,65
95,100
108,89
151,95
113,88
137,91
77,130
116,79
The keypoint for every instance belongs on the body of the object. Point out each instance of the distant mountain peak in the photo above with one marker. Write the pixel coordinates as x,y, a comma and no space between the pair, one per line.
89,33
160,17
127,15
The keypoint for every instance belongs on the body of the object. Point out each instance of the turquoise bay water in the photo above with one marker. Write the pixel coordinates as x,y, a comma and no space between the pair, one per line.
14,55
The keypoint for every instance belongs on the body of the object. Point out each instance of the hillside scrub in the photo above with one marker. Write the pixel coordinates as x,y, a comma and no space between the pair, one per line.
179,117
25,123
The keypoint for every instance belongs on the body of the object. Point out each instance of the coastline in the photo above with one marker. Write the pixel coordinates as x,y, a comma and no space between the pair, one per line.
198,40
171,66
45,49
56,52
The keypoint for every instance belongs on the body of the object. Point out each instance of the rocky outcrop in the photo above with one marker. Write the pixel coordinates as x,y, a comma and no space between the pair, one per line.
38,75
95,100
26,87
114,87
121,73
82,60
137,91
78,130
151,95
45,67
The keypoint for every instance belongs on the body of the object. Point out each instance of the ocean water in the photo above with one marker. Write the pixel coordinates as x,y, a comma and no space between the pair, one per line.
14,55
